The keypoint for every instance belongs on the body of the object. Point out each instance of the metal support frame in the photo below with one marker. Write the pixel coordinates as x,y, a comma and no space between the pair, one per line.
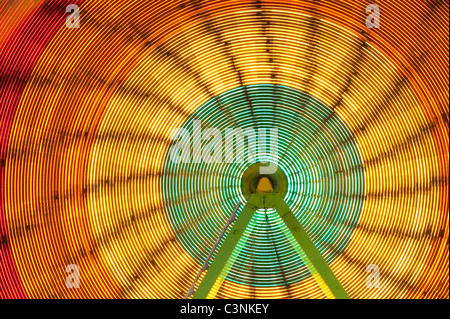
311,256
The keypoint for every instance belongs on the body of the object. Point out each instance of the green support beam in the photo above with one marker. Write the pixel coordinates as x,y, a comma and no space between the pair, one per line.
306,244
229,244
315,262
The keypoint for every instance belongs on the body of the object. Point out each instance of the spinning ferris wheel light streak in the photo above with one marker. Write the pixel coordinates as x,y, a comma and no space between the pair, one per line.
92,93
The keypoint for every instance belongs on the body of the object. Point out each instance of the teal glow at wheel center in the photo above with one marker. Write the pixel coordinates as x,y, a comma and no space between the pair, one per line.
320,175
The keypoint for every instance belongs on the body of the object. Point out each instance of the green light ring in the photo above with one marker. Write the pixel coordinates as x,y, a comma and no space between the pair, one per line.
200,197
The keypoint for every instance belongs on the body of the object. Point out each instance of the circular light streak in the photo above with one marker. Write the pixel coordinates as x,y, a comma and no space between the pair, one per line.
87,115
316,151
